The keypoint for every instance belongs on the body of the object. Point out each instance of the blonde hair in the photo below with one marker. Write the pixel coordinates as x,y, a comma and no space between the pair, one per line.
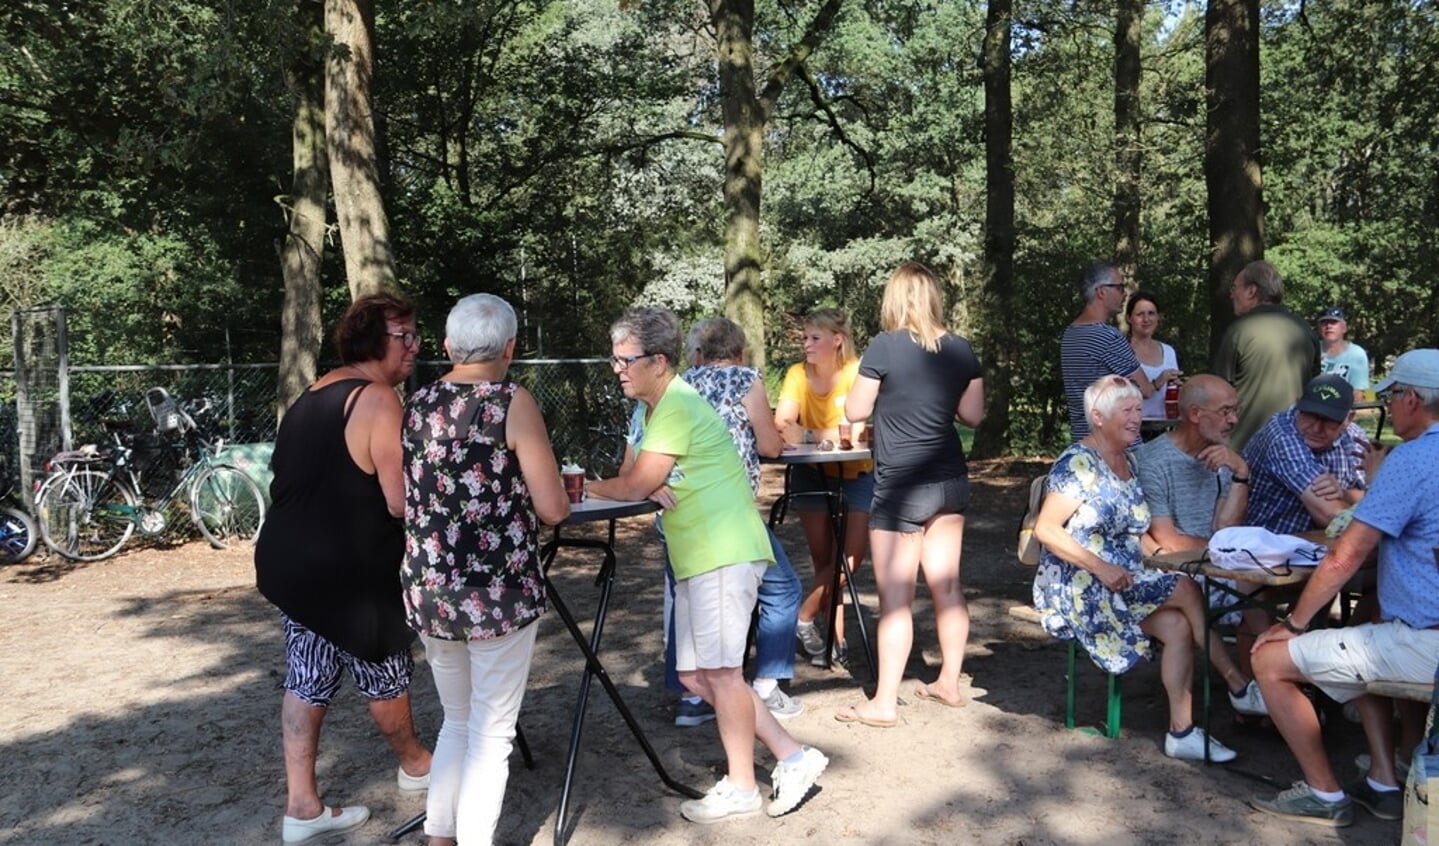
913,302
836,321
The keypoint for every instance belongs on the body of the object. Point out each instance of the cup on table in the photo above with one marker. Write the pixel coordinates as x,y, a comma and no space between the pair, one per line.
846,431
574,478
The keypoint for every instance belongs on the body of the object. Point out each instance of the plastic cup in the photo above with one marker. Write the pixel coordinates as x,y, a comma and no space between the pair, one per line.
846,430
574,485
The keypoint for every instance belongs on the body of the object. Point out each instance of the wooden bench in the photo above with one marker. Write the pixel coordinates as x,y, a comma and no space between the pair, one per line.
1416,691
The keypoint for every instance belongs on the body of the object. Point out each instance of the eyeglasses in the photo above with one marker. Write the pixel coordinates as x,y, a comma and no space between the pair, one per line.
1396,392
621,363
409,339
1224,410
1113,285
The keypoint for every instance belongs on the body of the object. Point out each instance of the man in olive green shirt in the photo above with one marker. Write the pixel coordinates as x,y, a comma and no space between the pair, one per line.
1268,354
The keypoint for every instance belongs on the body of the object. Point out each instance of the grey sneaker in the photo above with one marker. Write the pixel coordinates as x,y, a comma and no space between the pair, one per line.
809,638
838,657
782,705
790,783
1384,804
1191,747
1299,803
1250,702
722,802
690,714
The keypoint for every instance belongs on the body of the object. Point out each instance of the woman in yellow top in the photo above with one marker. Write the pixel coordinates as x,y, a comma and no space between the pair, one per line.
810,408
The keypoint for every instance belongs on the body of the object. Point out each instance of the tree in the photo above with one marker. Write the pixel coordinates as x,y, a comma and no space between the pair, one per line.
1128,155
1231,151
350,140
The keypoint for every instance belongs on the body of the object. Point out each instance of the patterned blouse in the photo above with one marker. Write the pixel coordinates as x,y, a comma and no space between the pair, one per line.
472,563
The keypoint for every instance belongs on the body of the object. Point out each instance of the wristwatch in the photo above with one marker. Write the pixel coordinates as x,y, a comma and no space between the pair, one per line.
1289,624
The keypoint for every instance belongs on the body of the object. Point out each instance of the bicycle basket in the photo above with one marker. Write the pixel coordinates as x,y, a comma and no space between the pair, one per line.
169,417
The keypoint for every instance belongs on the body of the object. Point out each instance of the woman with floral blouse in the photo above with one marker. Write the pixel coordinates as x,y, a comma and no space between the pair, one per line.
480,476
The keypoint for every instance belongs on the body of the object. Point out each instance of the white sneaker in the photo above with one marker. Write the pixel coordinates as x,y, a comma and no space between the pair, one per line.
809,638
1250,702
722,802
411,784
790,783
294,830
1191,747
782,705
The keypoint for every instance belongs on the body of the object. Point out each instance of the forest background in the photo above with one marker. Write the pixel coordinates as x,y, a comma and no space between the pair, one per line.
573,157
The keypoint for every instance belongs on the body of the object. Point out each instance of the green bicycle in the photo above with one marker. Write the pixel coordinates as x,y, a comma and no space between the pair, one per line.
93,501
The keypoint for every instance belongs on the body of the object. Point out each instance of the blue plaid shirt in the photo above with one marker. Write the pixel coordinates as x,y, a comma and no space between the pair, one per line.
1282,466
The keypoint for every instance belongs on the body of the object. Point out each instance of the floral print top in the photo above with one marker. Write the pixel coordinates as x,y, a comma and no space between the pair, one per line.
472,563
1074,603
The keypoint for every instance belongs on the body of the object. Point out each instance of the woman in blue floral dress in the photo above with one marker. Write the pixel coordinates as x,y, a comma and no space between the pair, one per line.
480,476
1092,584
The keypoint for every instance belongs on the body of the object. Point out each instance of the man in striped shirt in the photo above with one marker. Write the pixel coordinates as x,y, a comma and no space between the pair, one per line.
1092,347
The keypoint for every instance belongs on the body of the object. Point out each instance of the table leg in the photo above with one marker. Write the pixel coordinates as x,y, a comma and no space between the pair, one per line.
839,516
595,669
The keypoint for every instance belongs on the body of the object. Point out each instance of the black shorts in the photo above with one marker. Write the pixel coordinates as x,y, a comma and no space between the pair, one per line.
907,509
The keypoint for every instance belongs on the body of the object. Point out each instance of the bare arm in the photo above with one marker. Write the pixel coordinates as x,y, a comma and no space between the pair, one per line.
526,434
1164,535
786,420
971,404
1343,560
1050,531
1230,510
1323,500
639,478
859,403
767,439
373,438
1141,381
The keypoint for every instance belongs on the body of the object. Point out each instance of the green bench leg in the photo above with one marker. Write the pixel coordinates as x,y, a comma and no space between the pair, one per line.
1112,714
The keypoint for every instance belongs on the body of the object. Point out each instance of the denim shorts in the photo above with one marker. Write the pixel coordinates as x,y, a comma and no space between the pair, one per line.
807,478
907,509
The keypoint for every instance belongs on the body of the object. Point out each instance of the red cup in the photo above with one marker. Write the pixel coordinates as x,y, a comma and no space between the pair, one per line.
574,486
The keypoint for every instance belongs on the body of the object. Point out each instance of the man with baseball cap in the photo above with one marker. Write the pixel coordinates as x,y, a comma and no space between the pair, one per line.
1342,357
1400,515
1302,462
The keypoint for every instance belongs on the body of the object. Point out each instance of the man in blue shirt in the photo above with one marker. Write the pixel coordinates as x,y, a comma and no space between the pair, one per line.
1400,515
1305,464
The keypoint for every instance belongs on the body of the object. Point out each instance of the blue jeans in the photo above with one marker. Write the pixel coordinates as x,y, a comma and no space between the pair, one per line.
779,596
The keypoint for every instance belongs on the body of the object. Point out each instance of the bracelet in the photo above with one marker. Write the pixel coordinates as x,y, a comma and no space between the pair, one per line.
1239,480
1287,623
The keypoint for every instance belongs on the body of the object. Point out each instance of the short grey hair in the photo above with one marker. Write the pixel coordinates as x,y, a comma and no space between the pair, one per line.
1265,278
656,330
478,328
1096,275
1106,392
1428,397
716,338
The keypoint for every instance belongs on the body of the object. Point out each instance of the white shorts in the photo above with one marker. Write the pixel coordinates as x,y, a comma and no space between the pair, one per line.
712,614
1341,661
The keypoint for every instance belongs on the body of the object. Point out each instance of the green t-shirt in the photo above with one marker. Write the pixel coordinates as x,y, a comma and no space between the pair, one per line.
714,522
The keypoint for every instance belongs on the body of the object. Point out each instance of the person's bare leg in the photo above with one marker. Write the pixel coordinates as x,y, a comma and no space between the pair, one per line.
1411,726
394,720
943,545
1176,663
300,740
1187,600
735,716
1293,714
819,534
896,564
1377,715
856,543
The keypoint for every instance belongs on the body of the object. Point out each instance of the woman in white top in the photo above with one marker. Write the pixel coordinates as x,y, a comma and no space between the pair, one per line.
1156,358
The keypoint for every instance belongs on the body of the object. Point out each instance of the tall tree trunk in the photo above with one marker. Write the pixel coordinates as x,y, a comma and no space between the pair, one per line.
1231,151
992,437
304,247
1128,156
744,164
350,135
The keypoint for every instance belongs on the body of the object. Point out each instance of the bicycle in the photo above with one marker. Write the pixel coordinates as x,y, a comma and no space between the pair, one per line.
18,532
93,501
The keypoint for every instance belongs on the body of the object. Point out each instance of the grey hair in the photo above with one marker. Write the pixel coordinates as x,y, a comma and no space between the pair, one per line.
1429,397
1106,392
1266,281
1097,274
478,328
716,339
656,330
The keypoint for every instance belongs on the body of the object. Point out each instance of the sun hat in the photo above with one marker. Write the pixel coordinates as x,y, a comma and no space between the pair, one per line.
1419,368
1329,396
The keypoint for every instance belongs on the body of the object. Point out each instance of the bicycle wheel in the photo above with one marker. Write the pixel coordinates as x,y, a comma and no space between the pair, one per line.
227,506
18,535
85,515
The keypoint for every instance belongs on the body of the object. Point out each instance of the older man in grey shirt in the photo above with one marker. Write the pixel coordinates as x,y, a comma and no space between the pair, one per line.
1195,485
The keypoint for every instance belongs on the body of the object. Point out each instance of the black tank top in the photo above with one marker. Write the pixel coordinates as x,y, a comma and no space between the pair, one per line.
329,554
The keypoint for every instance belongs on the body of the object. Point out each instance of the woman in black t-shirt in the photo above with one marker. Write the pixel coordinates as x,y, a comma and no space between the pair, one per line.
916,379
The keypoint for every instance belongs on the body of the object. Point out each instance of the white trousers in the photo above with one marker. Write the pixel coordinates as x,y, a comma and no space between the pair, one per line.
481,684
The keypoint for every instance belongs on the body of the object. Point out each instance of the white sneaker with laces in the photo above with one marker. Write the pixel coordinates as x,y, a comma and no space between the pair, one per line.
723,801
809,638
782,705
1191,747
790,783
1250,702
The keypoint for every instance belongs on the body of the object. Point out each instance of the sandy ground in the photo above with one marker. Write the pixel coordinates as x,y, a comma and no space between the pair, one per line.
141,704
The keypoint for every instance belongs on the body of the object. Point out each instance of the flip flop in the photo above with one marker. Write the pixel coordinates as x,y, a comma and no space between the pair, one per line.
848,714
923,692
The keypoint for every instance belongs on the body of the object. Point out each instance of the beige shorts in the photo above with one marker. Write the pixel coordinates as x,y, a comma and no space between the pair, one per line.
1341,661
712,613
